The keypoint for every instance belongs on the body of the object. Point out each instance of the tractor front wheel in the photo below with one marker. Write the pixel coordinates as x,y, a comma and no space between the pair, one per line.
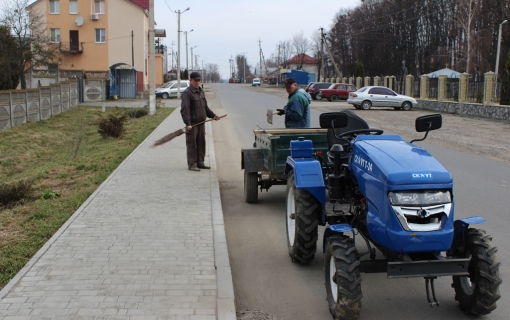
302,220
477,293
343,280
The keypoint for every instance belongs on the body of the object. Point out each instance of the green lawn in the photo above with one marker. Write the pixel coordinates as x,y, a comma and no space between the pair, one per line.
60,162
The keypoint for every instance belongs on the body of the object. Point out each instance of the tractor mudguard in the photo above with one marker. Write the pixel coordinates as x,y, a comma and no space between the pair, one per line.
308,176
335,229
252,160
460,226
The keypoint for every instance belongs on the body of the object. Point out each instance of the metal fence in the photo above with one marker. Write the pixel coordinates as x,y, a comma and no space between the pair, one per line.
433,88
416,88
20,106
452,89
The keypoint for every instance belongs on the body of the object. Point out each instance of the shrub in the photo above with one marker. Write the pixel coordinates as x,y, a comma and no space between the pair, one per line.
112,125
138,112
16,192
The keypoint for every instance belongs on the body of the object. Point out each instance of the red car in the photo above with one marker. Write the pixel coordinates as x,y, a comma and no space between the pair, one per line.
336,91
231,80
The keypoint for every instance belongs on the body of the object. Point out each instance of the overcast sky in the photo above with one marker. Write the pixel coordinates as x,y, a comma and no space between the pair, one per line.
223,29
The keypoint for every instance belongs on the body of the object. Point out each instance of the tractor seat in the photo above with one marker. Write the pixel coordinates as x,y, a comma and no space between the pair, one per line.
354,122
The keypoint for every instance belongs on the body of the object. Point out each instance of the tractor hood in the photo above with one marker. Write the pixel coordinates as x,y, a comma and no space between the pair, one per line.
391,160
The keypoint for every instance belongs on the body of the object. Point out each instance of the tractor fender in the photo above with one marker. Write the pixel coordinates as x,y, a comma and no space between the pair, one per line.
308,176
460,226
252,160
335,229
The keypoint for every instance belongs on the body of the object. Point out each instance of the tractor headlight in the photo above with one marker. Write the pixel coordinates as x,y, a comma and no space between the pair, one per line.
419,198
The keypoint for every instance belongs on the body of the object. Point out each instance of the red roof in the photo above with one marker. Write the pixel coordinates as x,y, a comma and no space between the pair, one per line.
302,58
141,3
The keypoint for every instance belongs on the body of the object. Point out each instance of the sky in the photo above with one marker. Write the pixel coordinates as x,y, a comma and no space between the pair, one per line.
223,29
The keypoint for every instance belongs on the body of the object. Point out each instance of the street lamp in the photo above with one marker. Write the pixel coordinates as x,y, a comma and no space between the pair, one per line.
179,51
192,57
186,34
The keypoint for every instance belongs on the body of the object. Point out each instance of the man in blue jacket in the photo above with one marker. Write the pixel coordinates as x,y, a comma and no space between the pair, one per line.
297,110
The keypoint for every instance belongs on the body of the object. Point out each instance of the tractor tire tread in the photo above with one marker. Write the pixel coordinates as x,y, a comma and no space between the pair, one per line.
348,279
484,274
307,214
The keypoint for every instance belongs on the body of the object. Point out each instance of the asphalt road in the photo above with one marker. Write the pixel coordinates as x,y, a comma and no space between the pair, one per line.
264,277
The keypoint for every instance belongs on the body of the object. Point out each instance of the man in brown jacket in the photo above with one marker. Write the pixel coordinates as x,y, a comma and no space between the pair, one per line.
194,109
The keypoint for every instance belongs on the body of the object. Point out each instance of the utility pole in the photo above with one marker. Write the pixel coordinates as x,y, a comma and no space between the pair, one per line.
192,57
332,59
321,71
179,51
152,88
260,59
186,34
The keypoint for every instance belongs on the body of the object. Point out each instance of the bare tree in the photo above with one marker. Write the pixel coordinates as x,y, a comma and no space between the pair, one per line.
300,46
33,48
243,69
212,73
467,9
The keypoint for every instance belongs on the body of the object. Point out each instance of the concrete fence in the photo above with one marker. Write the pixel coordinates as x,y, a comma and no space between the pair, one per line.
20,106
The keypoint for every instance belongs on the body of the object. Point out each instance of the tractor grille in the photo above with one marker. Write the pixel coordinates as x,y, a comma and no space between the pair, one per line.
423,218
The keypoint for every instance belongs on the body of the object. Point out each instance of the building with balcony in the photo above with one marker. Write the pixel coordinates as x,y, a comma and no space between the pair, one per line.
98,39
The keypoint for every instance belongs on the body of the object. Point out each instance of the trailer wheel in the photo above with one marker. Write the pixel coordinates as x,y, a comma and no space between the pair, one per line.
302,219
477,293
343,280
251,192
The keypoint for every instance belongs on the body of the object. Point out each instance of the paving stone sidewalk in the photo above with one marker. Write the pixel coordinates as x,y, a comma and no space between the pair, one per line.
149,243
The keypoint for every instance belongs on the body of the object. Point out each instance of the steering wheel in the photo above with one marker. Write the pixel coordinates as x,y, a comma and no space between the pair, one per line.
359,131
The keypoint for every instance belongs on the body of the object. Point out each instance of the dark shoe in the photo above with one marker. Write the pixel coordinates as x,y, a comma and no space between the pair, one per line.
193,169
204,167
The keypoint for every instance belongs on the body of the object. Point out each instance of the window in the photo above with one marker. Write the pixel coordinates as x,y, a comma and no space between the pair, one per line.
55,35
55,6
100,36
99,6
73,6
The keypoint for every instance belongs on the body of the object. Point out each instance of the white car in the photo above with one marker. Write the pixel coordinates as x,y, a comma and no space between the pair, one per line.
255,82
169,89
368,97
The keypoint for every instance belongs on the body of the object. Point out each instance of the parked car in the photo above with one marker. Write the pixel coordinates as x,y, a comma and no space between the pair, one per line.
231,80
169,89
255,82
314,87
336,91
368,97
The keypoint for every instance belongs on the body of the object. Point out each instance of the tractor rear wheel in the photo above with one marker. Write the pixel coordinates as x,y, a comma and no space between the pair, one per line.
251,192
302,220
343,280
477,293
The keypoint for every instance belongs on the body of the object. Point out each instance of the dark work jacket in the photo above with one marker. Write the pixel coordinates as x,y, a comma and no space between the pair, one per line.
194,107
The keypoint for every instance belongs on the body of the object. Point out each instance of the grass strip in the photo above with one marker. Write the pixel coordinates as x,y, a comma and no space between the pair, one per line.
65,159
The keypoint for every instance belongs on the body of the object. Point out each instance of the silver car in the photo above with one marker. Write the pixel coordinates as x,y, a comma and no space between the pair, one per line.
368,97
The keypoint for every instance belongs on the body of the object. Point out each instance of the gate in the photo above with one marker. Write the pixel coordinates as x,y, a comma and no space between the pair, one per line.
122,81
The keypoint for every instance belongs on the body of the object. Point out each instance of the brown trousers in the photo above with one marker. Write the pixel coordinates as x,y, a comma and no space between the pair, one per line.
195,146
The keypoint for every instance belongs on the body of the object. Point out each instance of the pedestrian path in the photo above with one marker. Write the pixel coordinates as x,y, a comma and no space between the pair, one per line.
149,243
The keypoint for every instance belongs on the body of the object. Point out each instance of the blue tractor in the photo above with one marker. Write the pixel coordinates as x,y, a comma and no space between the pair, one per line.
400,200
